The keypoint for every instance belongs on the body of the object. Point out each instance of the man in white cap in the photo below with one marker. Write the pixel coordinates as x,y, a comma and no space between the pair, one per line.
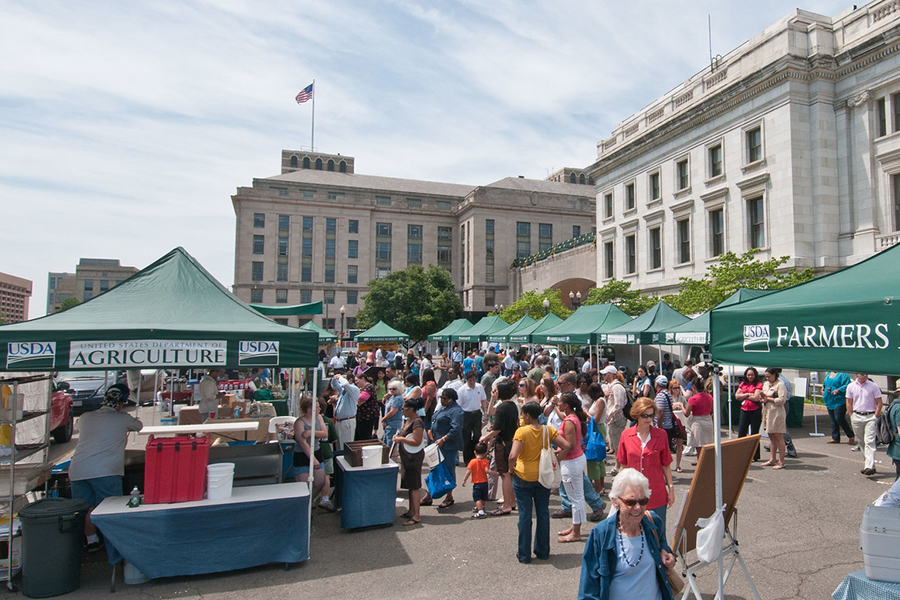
615,403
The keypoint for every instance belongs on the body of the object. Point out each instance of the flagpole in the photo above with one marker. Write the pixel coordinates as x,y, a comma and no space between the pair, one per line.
312,140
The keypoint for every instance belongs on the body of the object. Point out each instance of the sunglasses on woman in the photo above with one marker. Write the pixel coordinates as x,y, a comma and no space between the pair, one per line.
648,415
631,503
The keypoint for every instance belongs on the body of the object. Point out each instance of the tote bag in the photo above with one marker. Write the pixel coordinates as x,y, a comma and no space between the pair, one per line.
438,480
548,469
595,445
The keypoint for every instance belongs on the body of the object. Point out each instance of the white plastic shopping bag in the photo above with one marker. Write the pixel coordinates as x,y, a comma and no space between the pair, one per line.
711,536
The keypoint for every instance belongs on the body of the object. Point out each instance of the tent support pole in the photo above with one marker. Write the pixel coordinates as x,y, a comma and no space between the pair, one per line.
816,414
717,433
730,419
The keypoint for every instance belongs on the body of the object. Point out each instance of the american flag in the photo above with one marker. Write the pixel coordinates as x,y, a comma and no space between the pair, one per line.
305,94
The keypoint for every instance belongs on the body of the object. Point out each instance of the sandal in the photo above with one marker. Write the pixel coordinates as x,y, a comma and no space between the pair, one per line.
405,515
412,522
768,463
778,466
566,540
500,512
678,470
427,502
447,503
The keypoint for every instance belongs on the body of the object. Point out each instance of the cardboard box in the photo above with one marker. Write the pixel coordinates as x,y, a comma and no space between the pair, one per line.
230,399
353,452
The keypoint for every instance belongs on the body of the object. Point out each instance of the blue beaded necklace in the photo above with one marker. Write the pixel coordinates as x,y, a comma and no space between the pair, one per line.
622,545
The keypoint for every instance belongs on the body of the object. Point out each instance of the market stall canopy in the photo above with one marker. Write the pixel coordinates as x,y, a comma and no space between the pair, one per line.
847,320
457,326
645,329
381,332
584,325
172,313
524,335
502,335
310,308
325,336
696,331
480,330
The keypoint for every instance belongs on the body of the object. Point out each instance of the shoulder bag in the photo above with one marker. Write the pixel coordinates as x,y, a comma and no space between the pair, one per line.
595,445
676,583
549,475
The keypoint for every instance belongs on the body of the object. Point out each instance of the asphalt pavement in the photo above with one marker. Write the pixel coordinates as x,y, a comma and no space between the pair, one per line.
798,531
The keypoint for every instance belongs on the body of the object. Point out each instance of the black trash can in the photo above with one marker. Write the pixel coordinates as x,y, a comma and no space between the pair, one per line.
52,539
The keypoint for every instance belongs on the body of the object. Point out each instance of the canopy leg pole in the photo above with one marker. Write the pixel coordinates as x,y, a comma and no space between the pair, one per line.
730,419
717,432
816,414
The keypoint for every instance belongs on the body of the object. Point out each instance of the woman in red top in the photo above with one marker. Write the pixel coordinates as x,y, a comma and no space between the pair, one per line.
698,410
646,449
572,465
750,393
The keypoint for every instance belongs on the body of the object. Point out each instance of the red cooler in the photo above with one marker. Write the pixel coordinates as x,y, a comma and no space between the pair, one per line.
175,469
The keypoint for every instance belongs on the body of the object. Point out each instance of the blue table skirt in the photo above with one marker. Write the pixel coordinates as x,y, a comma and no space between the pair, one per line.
856,586
257,526
367,496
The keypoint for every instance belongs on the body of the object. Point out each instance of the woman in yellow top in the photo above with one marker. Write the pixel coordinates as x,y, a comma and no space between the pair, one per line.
774,397
524,460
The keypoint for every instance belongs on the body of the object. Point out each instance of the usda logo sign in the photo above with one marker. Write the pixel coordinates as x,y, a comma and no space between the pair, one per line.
258,353
756,338
30,355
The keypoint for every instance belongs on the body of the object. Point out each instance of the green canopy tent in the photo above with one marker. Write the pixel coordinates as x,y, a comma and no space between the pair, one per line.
457,326
582,327
502,335
645,329
480,330
696,331
325,336
381,332
847,320
311,308
525,335
172,313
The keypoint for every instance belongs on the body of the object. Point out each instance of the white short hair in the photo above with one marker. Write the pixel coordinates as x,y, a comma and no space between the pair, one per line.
630,479
395,384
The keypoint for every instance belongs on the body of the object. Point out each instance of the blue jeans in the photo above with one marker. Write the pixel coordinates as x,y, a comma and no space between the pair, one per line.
591,496
661,513
838,418
528,494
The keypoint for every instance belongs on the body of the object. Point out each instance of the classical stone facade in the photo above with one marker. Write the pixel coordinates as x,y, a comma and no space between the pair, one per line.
789,144
315,232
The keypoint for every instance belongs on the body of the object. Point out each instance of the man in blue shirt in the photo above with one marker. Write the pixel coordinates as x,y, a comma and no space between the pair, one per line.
345,408
456,357
469,363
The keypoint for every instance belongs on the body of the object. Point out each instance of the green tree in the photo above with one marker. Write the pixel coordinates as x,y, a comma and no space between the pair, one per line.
729,274
532,304
416,301
68,303
2,318
619,292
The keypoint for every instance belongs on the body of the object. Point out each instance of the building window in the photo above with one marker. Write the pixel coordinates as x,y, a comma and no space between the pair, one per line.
329,273
629,196
88,289
684,240
489,260
329,296
715,160
489,298
383,200
306,163
608,258
414,253
293,162
576,230
353,226
881,117
383,229
256,271
523,229
352,296
259,220
382,272
445,248
308,193
330,225
306,246
608,205
682,175
351,323
545,236
523,249
414,202
352,248
259,244
329,323
307,224
756,222
895,106
443,205
414,231
352,273
280,296
630,254
256,296
717,231
464,228
329,247
754,145
655,239
383,251
305,296
306,271
489,226
281,272
655,191
104,285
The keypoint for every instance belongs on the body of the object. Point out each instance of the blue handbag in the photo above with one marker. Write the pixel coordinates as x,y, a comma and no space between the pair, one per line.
439,481
595,446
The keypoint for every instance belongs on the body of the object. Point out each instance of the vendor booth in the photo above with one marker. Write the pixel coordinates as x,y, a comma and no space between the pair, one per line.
502,335
174,314
381,335
479,331
457,326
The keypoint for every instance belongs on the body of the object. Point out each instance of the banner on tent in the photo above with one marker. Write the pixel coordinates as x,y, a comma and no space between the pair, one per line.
146,353
30,355
684,337
258,353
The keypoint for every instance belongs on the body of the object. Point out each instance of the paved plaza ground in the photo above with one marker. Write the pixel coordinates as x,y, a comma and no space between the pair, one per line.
798,530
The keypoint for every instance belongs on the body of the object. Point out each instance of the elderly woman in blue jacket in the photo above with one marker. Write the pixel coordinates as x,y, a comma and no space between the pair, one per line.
623,557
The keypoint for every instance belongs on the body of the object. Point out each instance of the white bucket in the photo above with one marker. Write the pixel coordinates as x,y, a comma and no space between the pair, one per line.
132,575
432,457
219,480
371,456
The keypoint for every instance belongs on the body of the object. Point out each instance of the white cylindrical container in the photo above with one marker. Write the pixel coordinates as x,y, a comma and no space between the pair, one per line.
220,478
371,455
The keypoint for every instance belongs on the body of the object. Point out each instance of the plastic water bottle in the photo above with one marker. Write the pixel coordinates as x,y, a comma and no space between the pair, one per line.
135,499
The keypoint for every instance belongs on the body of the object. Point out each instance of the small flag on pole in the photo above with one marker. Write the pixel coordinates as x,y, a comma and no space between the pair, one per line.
305,94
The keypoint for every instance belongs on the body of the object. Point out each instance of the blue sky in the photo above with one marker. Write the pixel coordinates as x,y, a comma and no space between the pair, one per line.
125,127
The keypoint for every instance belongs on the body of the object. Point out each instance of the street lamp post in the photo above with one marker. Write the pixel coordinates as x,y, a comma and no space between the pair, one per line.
343,310
575,299
546,306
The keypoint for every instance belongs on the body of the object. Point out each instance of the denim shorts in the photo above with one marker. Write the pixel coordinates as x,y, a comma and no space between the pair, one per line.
480,491
96,490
